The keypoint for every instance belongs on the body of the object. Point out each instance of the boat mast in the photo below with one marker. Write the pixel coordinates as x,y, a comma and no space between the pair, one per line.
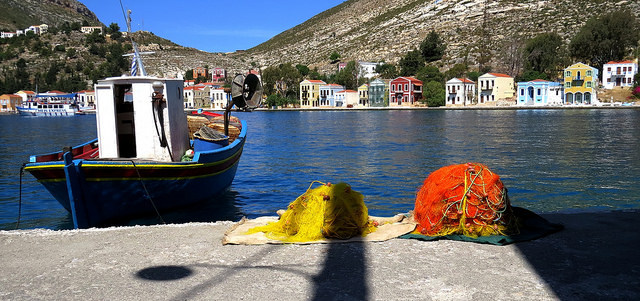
137,67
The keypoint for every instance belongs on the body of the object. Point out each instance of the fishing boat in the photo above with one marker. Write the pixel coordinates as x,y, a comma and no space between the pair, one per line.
140,163
50,105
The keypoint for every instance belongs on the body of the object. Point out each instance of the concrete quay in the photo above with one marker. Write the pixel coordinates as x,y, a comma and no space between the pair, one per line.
594,258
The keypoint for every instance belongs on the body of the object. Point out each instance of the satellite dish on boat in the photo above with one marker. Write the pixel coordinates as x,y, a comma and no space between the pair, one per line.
246,91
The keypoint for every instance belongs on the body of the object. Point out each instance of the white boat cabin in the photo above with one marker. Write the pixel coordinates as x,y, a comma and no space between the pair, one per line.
141,117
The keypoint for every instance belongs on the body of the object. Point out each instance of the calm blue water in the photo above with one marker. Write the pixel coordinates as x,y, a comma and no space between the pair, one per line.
551,160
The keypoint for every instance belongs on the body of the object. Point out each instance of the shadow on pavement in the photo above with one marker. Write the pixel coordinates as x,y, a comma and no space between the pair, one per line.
595,257
343,276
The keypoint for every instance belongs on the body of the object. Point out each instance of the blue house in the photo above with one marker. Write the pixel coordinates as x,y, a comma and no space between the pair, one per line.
539,93
328,94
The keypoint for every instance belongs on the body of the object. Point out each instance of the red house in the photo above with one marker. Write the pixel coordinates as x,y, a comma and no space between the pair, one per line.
218,74
404,91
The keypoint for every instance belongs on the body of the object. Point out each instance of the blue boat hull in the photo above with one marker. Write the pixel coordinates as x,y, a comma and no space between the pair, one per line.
104,191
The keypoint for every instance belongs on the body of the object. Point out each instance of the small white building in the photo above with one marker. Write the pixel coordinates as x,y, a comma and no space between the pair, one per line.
367,69
460,91
619,74
347,99
90,29
218,98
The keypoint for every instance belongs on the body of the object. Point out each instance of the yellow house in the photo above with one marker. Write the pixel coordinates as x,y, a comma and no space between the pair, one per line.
310,93
580,82
363,95
494,87
9,102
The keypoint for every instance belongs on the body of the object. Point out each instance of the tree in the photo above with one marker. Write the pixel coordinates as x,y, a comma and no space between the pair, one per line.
432,47
609,37
434,94
282,80
458,70
334,56
303,69
430,73
530,75
544,54
411,63
387,70
348,76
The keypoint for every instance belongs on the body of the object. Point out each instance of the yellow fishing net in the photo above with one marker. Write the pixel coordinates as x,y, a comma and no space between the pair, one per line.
327,211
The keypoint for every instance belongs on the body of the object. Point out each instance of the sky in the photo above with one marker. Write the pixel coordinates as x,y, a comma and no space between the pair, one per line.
211,25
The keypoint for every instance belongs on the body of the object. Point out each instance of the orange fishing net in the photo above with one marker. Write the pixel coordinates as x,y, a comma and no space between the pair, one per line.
465,199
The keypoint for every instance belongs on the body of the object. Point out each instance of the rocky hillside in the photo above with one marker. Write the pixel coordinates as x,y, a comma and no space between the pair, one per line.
384,30
20,14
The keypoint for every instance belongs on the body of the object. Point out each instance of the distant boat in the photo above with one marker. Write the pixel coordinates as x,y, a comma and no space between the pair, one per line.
46,105
140,162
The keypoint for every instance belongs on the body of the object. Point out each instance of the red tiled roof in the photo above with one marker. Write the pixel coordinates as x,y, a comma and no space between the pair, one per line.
620,62
315,81
499,75
539,81
466,80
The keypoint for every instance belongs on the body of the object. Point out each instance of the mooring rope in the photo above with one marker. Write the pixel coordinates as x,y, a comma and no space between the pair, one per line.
147,192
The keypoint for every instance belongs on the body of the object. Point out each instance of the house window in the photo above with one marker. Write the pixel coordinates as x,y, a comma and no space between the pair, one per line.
624,69
624,80
588,72
406,87
609,69
567,74
539,92
522,92
567,85
588,84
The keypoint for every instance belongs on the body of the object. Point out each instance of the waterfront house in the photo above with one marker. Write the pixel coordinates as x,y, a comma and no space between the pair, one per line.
346,99
328,95
540,93
404,91
26,95
8,102
87,99
580,81
218,74
363,95
378,91
619,74
310,93
218,98
199,71
196,97
367,69
460,91
494,87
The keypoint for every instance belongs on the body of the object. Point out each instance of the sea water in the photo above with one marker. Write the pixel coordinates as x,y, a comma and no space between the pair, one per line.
573,160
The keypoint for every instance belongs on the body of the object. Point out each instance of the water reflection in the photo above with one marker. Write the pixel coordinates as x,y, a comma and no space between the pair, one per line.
551,160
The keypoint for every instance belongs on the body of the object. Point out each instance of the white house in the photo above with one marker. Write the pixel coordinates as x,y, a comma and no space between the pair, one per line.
367,70
619,74
218,98
90,29
460,91
347,99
